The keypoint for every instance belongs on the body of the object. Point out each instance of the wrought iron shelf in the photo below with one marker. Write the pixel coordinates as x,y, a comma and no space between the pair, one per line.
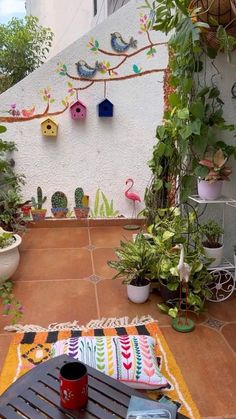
221,200
225,264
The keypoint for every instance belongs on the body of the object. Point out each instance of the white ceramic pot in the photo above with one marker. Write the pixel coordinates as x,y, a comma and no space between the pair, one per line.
138,294
210,191
216,253
9,259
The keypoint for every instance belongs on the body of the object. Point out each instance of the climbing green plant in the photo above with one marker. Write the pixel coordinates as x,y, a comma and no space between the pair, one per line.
193,120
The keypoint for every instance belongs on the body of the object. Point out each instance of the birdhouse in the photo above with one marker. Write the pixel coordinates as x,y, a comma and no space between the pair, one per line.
49,128
78,110
105,108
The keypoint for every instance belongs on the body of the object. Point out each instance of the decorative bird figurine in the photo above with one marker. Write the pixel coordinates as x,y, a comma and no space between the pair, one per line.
184,271
132,196
28,112
118,43
84,70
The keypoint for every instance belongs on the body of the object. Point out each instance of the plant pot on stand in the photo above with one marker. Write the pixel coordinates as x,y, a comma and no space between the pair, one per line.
212,241
210,191
9,254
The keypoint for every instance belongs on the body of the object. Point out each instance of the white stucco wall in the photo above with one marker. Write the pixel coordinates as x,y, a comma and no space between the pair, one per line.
68,20
97,152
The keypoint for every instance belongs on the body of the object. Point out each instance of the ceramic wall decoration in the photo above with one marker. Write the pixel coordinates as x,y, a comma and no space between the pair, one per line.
49,128
105,108
59,204
78,110
81,211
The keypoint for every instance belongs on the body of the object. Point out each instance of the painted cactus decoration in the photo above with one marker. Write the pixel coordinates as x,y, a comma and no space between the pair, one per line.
59,200
59,204
81,211
79,194
40,199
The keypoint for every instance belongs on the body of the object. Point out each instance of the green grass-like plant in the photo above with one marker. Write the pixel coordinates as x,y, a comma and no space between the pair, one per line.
104,209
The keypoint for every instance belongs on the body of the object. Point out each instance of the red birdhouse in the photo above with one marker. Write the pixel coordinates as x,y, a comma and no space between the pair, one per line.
78,110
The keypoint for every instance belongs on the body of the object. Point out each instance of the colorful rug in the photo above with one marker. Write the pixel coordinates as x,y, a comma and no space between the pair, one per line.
32,346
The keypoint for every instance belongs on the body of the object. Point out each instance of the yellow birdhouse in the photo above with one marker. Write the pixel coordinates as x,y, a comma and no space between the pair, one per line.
49,128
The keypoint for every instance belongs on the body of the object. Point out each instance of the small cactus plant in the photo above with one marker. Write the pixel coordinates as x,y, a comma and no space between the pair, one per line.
59,200
79,194
81,209
40,199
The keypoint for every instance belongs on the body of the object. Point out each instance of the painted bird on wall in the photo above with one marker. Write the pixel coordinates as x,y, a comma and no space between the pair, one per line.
85,70
118,43
133,196
28,112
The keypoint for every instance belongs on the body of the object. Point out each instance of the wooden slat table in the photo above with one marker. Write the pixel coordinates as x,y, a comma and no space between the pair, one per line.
36,395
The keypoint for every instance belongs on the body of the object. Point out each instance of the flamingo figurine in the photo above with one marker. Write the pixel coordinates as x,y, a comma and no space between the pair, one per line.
184,271
132,195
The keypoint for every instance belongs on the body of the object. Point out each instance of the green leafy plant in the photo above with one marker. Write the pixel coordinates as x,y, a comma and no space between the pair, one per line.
59,200
38,204
212,232
10,188
24,47
215,168
134,262
193,117
105,209
173,228
11,306
6,239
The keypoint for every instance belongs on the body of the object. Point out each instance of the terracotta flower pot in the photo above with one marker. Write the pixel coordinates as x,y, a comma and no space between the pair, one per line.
38,214
59,212
26,210
81,212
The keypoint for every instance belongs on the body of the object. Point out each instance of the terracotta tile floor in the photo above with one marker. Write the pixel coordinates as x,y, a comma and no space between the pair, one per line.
63,276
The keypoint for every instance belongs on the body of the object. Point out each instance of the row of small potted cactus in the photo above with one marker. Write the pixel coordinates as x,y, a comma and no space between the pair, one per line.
59,205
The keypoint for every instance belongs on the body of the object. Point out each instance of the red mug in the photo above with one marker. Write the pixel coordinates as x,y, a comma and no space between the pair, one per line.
73,385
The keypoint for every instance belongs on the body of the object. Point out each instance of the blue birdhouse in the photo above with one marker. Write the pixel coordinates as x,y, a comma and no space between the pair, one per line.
105,108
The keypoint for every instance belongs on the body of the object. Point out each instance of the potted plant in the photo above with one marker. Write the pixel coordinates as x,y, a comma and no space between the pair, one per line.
212,243
81,204
9,253
213,175
135,259
38,213
174,228
26,208
59,205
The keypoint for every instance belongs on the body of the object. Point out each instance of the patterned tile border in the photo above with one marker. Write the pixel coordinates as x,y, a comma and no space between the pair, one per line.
94,278
214,324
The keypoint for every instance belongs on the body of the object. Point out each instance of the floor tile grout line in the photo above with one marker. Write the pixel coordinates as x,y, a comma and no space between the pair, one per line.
221,334
93,270
52,280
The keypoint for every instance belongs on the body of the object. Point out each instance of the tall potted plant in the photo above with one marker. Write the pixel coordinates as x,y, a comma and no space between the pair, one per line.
214,173
135,259
212,241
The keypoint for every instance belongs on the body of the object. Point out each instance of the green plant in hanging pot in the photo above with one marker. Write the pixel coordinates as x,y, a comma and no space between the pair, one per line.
212,234
38,212
59,204
81,208
134,265
213,172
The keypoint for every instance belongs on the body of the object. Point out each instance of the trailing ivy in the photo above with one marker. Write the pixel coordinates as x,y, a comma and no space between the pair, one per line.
193,119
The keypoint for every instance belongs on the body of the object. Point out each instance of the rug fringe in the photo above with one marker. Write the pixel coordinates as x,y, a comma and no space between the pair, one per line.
93,324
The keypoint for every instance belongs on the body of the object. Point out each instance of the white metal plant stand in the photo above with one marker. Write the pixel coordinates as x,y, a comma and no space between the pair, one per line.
224,275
